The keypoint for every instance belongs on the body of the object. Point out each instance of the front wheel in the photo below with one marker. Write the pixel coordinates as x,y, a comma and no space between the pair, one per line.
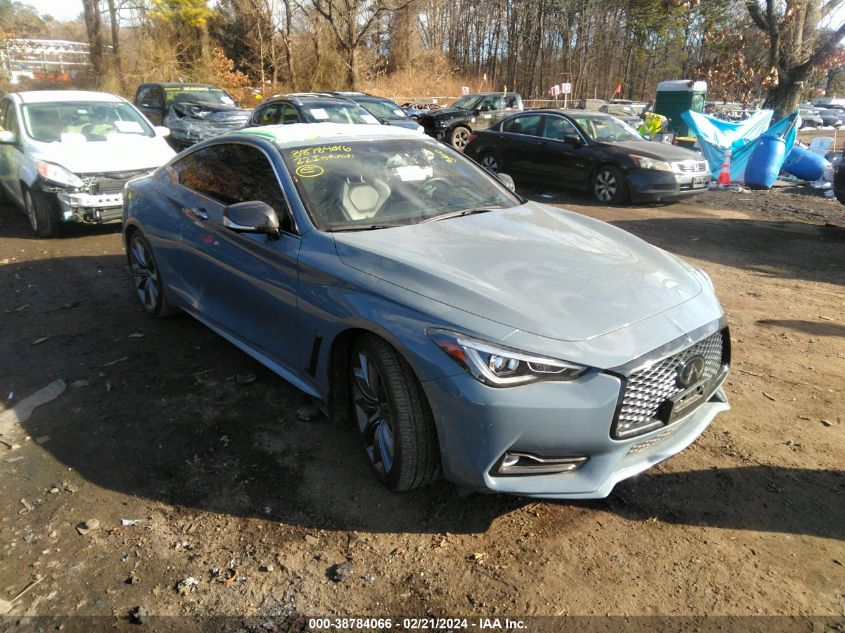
609,185
393,416
42,210
459,138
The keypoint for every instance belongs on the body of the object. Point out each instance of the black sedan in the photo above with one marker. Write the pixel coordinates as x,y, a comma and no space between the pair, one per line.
590,151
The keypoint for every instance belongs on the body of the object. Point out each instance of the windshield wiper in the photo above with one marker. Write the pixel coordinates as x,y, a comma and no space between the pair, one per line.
362,227
462,213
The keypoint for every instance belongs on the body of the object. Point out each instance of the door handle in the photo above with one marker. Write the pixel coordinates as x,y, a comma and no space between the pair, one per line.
197,213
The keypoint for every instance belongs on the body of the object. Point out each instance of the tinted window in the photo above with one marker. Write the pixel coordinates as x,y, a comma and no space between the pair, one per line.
337,112
383,108
233,173
289,114
268,115
204,95
491,102
527,124
558,128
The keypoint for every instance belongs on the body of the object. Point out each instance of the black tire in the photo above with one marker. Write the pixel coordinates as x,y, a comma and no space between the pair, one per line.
42,210
490,162
839,184
146,277
609,185
458,137
393,416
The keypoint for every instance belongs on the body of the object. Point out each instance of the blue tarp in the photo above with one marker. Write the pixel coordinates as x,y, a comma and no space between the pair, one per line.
715,136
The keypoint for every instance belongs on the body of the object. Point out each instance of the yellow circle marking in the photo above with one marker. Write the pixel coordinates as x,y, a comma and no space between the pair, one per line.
309,171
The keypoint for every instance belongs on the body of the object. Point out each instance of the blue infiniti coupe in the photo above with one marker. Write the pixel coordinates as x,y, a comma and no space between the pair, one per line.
509,345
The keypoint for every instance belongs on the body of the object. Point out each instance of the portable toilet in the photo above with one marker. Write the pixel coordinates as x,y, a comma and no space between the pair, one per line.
674,97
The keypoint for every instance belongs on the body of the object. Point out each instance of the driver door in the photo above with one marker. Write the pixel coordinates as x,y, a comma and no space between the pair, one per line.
245,283
490,111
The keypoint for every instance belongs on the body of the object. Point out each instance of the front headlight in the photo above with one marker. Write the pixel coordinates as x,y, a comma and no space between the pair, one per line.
58,174
643,162
500,366
441,122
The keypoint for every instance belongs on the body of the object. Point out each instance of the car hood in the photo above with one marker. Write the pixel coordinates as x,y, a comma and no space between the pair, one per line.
120,152
446,113
534,268
654,149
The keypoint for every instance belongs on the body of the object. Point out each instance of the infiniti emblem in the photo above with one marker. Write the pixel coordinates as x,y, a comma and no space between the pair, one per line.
691,371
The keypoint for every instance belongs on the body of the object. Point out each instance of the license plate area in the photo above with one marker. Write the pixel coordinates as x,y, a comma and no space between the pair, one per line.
676,407
700,181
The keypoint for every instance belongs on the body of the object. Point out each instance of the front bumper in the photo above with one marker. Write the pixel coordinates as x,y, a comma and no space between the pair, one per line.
91,208
656,186
477,425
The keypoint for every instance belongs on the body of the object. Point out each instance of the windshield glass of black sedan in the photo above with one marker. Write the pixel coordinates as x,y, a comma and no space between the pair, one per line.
213,97
359,184
337,113
607,129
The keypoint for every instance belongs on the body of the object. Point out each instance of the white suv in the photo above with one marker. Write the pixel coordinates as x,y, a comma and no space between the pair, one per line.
65,155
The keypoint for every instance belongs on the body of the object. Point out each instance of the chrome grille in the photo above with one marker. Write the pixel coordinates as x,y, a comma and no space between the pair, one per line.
690,167
647,389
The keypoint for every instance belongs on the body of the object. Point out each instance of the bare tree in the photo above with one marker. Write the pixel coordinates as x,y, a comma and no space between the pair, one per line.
93,27
797,45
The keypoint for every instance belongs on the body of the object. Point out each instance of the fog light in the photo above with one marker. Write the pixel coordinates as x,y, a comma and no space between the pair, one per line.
67,215
513,463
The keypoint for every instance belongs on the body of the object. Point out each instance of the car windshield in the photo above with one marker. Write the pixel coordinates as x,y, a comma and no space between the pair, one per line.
607,129
384,109
360,185
74,121
202,95
468,103
337,112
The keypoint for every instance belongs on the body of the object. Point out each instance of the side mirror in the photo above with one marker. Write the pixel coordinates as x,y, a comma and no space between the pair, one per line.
573,139
507,181
252,217
162,131
7,137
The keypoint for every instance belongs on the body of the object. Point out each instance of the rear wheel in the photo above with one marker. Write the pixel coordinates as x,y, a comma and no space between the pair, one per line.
609,185
42,210
146,277
489,161
459,137
393,416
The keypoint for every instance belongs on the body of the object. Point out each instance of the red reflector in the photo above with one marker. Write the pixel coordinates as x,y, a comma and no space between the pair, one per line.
471,138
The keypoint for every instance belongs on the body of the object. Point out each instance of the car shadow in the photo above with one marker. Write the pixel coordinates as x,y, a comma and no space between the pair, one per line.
814,328
166,410
797,250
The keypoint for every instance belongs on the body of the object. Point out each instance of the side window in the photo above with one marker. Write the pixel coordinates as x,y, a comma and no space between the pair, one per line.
4,105
289,114
490,103
528,124
233,173
558,128
268,115
207,171
253,178
10,119
143,95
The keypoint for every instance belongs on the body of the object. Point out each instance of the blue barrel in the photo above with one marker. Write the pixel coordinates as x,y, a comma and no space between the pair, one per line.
804,164
763,166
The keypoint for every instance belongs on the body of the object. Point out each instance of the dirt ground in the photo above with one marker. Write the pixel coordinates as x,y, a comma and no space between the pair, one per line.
245,490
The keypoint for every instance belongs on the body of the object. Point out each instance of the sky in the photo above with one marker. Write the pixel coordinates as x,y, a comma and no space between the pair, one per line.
59,9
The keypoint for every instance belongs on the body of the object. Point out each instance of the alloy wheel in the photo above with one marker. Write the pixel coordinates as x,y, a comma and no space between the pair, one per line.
372,412
605,186
145,274
490,163
459,139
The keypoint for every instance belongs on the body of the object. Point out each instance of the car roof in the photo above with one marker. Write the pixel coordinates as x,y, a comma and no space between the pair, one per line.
50,96
179,83
299,134
307,97
567,112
